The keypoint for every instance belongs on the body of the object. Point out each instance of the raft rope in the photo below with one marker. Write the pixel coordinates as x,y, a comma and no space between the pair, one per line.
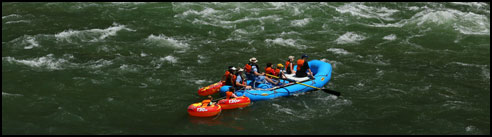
288,92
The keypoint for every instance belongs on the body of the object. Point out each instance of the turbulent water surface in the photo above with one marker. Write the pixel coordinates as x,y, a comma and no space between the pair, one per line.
133,68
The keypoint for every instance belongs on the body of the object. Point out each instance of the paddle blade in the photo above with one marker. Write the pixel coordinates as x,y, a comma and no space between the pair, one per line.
331,92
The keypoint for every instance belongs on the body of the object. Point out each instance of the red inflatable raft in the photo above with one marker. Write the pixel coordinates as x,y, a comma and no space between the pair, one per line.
211,89
198,110
233,103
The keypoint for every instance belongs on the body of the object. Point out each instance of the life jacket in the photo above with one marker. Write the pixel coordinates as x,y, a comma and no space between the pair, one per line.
206,102
228,94
287,66
228,80
300,63
270,71
247,68
277,72
226,74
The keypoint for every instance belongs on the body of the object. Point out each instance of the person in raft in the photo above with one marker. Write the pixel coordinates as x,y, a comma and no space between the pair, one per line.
302,67
279,73
271,71
253,73
241,81
208,102
226,74
289,65
230,78
230,93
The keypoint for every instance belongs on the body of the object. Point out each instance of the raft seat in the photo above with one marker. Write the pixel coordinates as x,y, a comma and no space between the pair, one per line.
297,79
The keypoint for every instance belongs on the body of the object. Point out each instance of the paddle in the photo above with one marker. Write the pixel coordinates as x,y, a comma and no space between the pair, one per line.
324,89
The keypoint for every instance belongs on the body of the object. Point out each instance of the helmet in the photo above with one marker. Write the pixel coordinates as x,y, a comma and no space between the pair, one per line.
280,65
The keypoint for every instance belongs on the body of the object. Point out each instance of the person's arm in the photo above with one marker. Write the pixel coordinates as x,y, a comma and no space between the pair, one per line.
239,84
232,81
292,68
256,72
307,66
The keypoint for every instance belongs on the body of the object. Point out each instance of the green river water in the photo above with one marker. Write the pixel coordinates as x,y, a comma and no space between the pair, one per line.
133,68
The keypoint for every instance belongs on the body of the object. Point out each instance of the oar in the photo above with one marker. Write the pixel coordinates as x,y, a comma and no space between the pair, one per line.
324,89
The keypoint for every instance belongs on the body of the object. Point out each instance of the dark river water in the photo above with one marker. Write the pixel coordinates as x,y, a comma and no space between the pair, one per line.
133,68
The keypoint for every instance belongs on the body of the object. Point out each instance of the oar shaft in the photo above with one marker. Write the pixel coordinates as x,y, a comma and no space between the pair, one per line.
325,90
308,85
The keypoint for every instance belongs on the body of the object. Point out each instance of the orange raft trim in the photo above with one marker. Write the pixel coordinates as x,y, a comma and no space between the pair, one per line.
233,103
198,110
211,89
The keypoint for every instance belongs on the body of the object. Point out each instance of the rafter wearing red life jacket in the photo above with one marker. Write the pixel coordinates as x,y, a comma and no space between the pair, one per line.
300,63
287,67
277,72
269,70
231,80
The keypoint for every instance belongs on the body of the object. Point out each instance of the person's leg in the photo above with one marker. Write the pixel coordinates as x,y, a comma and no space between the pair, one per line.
271,81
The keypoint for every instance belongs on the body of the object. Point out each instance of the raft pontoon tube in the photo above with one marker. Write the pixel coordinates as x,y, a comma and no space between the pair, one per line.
233,103
198,110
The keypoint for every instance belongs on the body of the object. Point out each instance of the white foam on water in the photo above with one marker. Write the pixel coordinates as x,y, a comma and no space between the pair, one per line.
300,23
204,13
240,31
350,37
413,8
260,19
472,24
200,82
128,3
154,81
162,39
31,42
48,62
485,71
169,58
390,37
283,109
468,65
17,21
5,94
129,68
98,64
201,59
361,10
93,34
338,51
472,4
11,16
142,54
290,33
464,22
289,6
470,128
278,5
286,42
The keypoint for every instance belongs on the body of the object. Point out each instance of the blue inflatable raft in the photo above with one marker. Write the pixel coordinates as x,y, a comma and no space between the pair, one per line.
322,75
